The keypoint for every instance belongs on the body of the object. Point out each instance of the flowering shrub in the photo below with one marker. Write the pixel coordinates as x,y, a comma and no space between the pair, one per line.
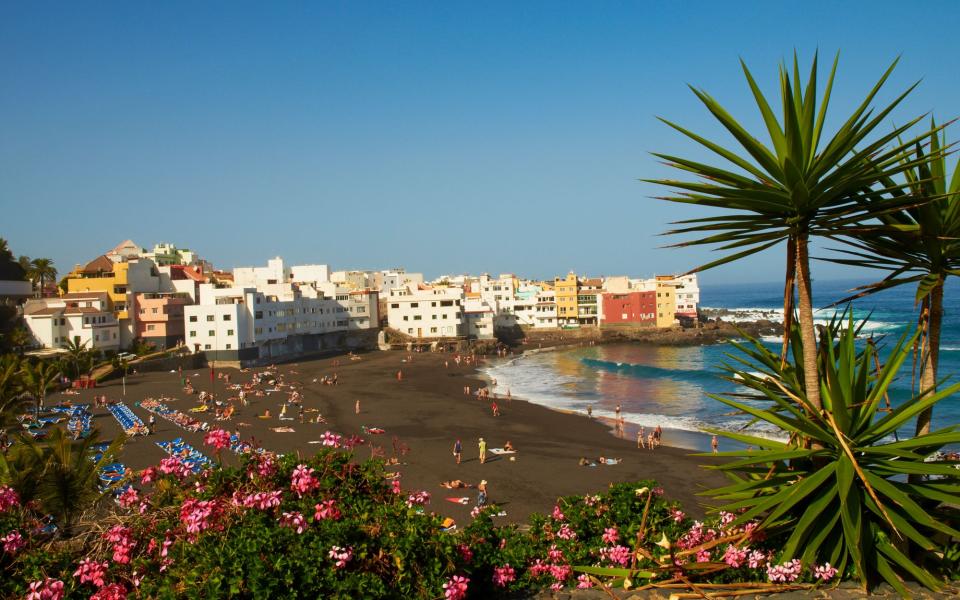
218,439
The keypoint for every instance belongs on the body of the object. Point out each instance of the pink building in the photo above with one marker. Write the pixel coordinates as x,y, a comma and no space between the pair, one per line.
160,318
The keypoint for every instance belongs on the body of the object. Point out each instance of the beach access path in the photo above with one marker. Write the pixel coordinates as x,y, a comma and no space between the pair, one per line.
424,413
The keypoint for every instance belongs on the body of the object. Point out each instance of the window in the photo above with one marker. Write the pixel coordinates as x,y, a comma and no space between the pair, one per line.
414,305
417,317
409,330
206,346
211,333
395,306
434,317
153,311
433,330
228,346
229,332
406,318
193,318
226,317
151,327
433,304
258,314
210,318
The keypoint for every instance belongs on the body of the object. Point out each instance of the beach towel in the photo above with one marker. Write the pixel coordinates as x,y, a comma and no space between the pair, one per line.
463,500
501,451
200,409
283,429
372,430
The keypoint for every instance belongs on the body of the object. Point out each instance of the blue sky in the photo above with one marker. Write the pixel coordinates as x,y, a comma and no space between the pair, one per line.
444,137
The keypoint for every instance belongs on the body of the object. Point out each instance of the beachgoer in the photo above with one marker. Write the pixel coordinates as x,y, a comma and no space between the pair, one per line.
715,444
482,493
495,409
589,411
482,445
457,450
508,446
617,411
400,375
640,434
356,407
651,440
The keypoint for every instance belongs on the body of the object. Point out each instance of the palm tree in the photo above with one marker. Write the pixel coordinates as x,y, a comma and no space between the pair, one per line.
70,482
11,399
38,379
76,352
5,253
43,270
792,191
19,338
918,245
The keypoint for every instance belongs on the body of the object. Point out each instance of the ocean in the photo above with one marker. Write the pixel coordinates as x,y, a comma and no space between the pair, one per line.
668,386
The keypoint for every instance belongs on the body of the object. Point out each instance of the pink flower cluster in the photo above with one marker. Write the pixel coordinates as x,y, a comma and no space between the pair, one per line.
218,439
591,500
351,442
294,520
148,475
566,533
48,589
326,509
114,591
610,535
13,542
555,554
331,439
302,480
677,515
123,543
618,555
341,556
734,556
421,498
558,514
129,497
504,575
261,500
8,498
199,515
92,571
455,588
583,581
172,465
757,559
824,572
395,486
788,571
697,535
465,552
263,466
703,555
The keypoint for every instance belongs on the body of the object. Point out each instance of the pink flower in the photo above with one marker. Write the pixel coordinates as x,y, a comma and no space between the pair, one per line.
199,515
591,500
48,589
13,542
331,439
455,588
756,559
263,466
302,481
504,575
418,499
619,555
783,573
538,568
610,535
465,552
583,581
114,591
657,491
556,586
555,554
123,543
172,465
293,520
726,518
677,515
129,497
341,556
147,475
218,439
92,571
327,509
560,572
8,498
703,555
566,533
824,572
734,556
558,514
395,486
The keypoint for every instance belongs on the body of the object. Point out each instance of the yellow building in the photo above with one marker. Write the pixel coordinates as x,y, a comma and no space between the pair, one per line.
666,301
566,297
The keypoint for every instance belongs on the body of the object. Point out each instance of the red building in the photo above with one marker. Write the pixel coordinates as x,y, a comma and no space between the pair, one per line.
631,308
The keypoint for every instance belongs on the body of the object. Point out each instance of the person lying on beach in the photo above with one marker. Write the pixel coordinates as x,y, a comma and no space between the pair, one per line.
609,461
583,462
508,447
455,484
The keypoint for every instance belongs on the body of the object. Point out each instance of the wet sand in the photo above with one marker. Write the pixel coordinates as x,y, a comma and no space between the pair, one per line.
425,414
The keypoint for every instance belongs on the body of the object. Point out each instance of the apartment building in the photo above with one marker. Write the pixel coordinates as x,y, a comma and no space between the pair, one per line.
160,318
427,313
629,308
565,295
81,317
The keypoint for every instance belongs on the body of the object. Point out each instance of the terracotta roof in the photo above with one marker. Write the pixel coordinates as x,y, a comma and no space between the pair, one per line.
44,312
82,295
126,244
82,310
99,264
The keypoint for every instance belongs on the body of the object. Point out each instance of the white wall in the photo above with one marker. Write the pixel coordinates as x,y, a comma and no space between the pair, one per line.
428,313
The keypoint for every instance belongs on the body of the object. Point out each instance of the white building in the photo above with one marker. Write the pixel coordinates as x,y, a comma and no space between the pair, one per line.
398,278
277,273
546,310
84,318
428,313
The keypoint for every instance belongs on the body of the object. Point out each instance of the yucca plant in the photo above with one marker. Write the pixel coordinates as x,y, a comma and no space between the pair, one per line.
800,185
837,490
918,245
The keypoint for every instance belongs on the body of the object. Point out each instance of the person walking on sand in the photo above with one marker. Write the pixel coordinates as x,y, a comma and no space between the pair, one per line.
356,407
658,434
640,435
400,375
483,451
715,444
457,450
589,411
482,493
495,408
617,412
